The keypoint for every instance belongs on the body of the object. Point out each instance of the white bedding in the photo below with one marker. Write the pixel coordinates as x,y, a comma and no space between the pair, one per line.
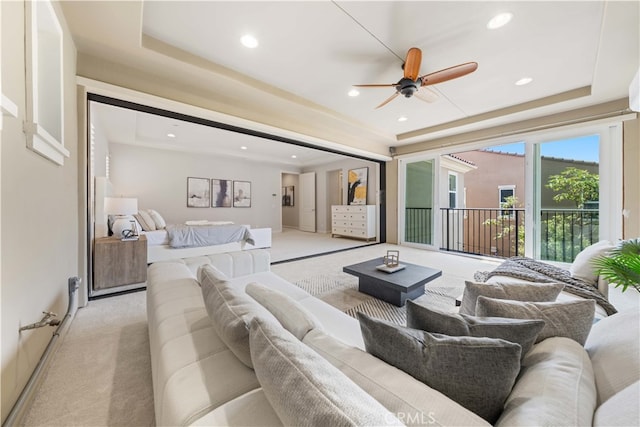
157,237
163,252
161,237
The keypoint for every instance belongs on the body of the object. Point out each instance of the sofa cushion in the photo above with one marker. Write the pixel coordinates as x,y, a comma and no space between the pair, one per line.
569,319
621,409
303,388
582,266
412,401
230,310
250,409
476,372
537,292
614,348
291,315
556,387
519,331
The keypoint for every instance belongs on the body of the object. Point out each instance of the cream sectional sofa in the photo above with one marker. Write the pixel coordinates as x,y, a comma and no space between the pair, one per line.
197,379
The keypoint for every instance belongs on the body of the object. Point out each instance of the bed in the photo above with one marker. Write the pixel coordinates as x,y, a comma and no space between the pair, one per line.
233,238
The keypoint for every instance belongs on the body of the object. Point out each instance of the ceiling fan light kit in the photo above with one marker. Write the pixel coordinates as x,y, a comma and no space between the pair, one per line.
412,83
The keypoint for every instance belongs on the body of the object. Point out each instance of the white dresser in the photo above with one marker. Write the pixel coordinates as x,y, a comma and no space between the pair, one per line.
358,221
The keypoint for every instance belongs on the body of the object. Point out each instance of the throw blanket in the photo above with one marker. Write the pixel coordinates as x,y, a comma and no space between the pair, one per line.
537,271
186,236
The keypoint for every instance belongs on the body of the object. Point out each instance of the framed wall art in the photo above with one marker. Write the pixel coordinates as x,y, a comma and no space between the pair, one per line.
221,193
357,193
241,194
288,196
198,193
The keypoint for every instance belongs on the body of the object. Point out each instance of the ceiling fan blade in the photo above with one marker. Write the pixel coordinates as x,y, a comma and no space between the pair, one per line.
388,100
377,85
449,73
412,64
426,94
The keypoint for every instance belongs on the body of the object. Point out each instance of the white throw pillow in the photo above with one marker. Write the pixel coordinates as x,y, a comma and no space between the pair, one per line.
157,219
614,347
291,315
582,267
556,387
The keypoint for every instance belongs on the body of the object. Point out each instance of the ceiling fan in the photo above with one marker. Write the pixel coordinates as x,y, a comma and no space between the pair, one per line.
413,84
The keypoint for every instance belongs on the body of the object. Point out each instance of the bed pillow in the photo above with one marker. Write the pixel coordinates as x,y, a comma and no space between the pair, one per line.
306,390
582,267
478,373
157,219
230,311
291,315
571,319
145,221
520,331
537,292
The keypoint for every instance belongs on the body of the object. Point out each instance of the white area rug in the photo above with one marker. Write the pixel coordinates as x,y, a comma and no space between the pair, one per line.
326,286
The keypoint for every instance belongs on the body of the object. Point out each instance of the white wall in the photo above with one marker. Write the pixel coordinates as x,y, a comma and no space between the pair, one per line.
158,179
40,206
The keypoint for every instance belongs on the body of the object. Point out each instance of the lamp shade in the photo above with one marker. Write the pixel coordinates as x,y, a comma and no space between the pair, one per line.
120,206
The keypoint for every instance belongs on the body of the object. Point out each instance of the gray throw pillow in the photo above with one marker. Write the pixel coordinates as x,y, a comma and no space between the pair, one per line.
478,373
537,292
306,390
519,331
230,311
572,319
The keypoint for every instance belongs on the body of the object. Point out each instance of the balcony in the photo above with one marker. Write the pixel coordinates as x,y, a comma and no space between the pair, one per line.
501,233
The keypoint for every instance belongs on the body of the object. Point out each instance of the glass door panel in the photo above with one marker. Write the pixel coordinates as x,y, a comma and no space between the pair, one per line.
568,196
419,213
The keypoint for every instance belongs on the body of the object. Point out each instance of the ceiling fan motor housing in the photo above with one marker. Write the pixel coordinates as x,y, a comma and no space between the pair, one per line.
407,87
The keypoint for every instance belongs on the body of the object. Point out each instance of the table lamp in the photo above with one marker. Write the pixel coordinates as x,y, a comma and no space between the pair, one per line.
120,207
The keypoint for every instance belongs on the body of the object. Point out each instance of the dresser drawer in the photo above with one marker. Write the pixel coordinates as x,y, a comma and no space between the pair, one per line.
340,223
358,224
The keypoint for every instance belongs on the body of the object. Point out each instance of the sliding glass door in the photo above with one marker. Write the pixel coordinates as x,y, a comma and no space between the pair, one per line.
419,204
546,195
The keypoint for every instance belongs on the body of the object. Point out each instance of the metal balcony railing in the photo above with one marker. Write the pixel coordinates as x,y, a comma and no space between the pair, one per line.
500,232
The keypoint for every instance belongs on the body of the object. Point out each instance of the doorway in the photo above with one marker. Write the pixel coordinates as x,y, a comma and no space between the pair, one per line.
290,200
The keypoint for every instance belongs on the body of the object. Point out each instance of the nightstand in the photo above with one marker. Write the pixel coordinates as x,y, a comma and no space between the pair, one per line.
119,262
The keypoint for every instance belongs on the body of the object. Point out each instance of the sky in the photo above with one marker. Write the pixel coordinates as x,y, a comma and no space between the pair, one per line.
582,148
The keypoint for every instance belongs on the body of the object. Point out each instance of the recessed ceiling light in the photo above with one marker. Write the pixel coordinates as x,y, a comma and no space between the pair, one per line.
354,92
524,81
249,41
171,135
293,156
243,148
500,20
402,119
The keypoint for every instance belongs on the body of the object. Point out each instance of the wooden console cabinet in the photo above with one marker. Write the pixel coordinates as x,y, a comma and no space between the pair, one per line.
119,262
357,221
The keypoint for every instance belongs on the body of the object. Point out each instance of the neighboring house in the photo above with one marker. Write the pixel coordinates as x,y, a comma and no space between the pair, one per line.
496,177
499,175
